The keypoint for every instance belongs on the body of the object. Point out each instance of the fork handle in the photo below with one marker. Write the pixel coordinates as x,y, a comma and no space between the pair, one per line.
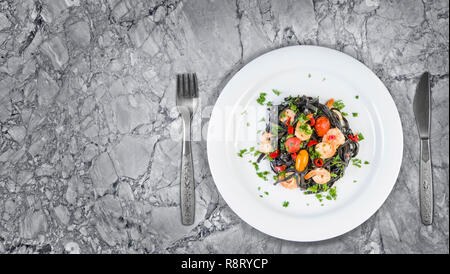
187,185
426,183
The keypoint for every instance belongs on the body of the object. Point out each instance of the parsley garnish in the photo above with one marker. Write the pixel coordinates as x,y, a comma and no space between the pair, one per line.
355,114
277,93
360,136
357,96
313,153
366,162
302,118
319,197
333,193
262,98
285,204
241,152
306,129
263,175
356,162
339,104
313,189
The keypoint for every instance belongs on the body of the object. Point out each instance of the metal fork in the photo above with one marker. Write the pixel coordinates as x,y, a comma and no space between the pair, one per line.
187,101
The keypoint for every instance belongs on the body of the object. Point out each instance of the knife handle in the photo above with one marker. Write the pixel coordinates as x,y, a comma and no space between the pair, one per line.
426,183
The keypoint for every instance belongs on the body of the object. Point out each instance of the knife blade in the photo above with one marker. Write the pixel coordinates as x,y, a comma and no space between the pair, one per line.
422,106
422,113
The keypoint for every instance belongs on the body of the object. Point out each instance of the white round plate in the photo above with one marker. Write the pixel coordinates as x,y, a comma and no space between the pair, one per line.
314,71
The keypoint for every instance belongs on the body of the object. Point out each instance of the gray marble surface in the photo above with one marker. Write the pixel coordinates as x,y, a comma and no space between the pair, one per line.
87,160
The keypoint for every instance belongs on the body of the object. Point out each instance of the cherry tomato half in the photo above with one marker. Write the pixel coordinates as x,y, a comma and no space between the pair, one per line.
293,144
322,126
302,160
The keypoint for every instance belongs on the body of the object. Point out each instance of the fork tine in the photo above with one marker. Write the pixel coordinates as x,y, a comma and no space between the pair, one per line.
179,87
191,85
195,85
185,85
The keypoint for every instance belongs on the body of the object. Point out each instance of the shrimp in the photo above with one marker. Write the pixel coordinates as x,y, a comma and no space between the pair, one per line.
265,145
326,150
334,137
289,183
301,133
319,175
287,114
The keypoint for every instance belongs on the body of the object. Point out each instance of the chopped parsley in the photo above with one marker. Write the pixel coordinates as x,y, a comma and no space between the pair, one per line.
248,124
277,93
241,152
306,129
313,189
267,193
309,75
319,197
360,136
255,164
269,104
263,175
357,96
355,114
313,153
333,193
356,162
339,104
366,162
262,98
344,113
302,118
285,204
293,107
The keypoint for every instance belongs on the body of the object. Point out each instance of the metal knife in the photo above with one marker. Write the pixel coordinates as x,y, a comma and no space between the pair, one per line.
422,112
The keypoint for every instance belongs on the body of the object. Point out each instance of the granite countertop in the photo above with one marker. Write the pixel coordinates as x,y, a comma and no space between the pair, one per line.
88,128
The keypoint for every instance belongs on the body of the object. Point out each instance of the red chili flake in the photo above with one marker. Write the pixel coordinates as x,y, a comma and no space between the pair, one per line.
280,168
290,129
353,137
294,155
348,155
331,137
318,162
274,154
311,143
288,121
312,121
